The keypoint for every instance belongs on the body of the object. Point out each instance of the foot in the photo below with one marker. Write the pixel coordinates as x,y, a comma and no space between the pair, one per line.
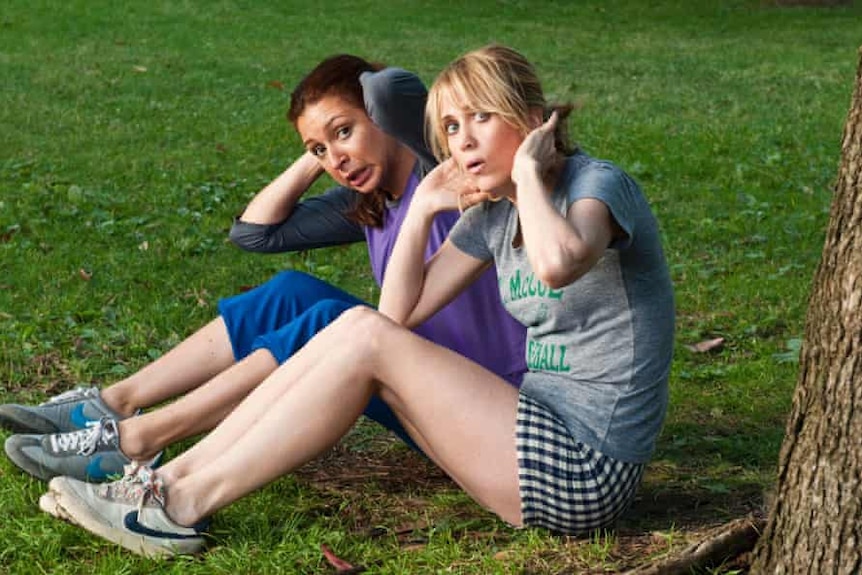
48,504
91,454
69,411
129,512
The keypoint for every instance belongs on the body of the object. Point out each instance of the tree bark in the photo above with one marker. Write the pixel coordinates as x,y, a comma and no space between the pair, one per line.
815,523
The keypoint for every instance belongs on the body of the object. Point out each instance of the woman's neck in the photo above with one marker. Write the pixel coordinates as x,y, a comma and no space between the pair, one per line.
404,162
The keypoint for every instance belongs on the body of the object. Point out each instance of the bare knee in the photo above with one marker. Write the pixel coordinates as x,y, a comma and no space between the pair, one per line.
365,330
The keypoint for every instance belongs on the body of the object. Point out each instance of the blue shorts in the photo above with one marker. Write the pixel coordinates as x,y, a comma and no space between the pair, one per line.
282,314
565,485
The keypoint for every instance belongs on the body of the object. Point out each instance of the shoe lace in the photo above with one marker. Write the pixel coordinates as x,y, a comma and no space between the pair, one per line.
141,484
79,392
86,441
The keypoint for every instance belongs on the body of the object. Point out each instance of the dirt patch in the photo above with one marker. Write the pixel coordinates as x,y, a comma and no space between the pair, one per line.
43,376
384,483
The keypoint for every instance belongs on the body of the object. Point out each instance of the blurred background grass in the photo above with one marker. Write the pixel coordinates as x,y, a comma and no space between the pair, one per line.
133,132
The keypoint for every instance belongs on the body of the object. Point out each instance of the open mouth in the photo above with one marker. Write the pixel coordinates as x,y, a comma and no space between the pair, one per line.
475,166
357,178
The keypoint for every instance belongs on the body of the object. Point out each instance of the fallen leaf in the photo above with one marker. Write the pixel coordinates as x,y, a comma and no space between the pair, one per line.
342,567
84,274
706,345
139,69
276,84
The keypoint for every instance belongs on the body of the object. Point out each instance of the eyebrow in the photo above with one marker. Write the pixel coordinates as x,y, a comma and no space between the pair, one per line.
326,126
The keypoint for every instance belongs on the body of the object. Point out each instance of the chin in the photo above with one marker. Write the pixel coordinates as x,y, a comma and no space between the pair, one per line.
366,188
499,190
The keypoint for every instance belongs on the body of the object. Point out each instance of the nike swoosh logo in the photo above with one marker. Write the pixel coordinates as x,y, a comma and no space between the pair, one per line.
78,418
95,471
132,524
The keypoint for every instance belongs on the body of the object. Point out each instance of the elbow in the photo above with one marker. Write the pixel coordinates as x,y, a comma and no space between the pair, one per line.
235,236
240,238
555,277
252,237
559,269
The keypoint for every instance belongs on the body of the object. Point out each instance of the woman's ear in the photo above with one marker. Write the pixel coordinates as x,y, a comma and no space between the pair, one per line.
536,117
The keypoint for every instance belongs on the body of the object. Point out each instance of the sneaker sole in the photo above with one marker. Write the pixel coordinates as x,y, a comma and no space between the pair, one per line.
21,421
25,463
83,515
48,504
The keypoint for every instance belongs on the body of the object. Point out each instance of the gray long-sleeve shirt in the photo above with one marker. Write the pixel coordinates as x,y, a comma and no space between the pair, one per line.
395,102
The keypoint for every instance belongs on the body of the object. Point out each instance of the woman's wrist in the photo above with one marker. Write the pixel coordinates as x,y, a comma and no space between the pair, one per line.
527,175
309,165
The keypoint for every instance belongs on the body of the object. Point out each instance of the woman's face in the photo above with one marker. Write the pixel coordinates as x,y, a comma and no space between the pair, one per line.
482,144
349,146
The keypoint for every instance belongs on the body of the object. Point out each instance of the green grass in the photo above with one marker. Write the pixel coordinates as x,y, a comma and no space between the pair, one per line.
132,133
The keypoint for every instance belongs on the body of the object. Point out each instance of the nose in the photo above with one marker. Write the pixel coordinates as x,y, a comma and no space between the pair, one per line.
337,158
466,140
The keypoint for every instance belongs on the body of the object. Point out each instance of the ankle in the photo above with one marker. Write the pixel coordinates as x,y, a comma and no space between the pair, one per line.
176,507
117,401
132,445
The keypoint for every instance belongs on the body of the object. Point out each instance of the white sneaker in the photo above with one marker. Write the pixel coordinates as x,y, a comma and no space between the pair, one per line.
129,512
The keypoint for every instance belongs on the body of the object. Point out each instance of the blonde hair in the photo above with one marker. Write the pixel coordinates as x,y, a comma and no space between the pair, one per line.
494,79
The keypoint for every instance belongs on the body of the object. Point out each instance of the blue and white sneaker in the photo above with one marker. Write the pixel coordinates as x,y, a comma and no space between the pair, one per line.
91,454
70,411
129,512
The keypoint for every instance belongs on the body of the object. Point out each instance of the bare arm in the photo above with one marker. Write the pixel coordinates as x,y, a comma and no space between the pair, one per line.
277,221
275,202
560,249
414,290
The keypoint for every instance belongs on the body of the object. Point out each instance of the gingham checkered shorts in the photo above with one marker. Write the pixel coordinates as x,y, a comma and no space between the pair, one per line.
567,486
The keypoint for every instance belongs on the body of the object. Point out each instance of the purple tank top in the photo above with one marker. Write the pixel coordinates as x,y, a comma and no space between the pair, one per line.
474,324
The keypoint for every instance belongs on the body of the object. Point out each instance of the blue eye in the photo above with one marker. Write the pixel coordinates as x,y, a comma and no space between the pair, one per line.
482,116
451,128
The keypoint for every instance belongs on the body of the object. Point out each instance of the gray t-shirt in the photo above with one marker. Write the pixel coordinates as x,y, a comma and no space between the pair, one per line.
599,349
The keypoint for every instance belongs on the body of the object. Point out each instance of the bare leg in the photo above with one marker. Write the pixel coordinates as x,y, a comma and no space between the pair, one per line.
196,412
194,361
461,415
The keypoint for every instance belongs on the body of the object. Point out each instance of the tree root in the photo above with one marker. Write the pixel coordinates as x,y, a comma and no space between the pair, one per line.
723,544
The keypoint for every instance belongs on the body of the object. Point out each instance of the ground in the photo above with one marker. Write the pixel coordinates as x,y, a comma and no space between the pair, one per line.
388,480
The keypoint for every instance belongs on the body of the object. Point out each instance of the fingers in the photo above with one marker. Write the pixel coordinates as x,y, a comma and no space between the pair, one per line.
552,121
471,198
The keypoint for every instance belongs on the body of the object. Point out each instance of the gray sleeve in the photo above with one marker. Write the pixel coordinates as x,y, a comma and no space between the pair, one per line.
395,101
316,222
607,183
468,233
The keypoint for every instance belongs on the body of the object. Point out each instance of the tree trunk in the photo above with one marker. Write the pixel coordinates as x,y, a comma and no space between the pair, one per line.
815,524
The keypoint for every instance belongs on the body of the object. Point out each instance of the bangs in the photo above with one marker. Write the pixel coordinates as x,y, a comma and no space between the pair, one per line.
472,85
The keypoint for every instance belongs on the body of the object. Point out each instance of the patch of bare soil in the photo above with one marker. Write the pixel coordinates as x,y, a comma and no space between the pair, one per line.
384,483
47,374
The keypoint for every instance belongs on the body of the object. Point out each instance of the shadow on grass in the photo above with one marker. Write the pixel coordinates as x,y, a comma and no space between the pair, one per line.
385,483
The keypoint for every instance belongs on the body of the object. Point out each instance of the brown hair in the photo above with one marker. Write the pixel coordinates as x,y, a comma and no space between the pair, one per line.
493,79
339,76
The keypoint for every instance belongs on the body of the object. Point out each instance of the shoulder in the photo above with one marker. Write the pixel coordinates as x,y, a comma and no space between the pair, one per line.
587,177
390,83
583,170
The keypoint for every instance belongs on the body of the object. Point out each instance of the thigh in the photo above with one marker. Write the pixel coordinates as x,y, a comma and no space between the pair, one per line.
274,304
284,341
459,413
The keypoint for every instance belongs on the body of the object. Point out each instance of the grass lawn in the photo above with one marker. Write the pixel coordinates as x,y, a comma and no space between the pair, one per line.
132,132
